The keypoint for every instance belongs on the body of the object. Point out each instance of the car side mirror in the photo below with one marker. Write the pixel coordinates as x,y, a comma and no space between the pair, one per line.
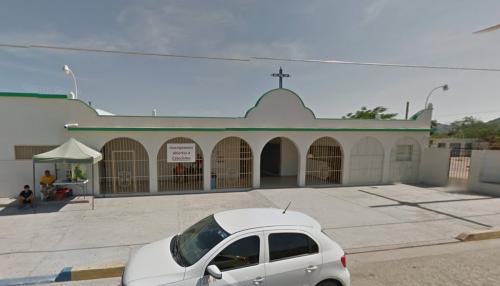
214,271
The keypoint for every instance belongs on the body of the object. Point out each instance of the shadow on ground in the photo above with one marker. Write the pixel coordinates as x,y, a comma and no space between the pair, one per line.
40,207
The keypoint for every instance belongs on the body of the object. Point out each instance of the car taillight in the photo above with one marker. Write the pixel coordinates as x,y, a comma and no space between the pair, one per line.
343,260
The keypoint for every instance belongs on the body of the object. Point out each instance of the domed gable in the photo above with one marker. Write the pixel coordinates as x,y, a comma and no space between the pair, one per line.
281,106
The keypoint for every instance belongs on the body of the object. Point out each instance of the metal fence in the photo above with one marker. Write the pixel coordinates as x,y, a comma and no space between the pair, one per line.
459,166
185,176
232,163
124,168
324,162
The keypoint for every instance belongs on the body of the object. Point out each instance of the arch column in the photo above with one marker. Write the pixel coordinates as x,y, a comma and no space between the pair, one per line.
301,176
256,172
346,165
207,176
153,175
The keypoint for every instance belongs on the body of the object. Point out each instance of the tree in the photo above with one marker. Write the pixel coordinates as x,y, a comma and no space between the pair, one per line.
365,113
470,127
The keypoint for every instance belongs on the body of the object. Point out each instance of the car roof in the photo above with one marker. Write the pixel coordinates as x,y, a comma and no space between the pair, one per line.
243,219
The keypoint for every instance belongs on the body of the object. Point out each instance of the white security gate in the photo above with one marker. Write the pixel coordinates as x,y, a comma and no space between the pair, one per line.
179,176
367,162
124,168
232,163
405,161
324,162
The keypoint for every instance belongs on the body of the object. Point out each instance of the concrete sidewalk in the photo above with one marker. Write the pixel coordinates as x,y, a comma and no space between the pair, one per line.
359,218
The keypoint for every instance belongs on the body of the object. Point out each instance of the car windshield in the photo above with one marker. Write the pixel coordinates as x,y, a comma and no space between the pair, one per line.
199,239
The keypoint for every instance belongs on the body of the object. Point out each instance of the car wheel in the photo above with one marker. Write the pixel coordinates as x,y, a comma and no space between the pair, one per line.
329,283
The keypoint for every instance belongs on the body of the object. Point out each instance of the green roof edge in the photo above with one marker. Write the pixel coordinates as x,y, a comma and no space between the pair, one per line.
210,129
33,95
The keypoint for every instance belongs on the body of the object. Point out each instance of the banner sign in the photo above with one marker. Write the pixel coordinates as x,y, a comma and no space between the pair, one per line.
181,152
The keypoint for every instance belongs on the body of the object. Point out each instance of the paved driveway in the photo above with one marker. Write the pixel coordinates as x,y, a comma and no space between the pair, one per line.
45,240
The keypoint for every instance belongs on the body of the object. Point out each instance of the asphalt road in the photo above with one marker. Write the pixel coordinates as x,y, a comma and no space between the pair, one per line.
456,264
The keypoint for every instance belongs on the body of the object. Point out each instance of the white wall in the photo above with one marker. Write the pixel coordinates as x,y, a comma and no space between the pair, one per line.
485,169
289,158
435,166
35,121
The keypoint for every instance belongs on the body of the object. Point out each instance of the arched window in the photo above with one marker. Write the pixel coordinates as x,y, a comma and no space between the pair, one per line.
124,168
180,174
324,162
232,163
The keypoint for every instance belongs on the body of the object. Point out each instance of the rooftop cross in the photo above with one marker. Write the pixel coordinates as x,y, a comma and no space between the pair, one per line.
281,75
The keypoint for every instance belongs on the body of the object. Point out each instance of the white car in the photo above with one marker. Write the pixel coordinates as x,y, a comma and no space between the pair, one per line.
242,247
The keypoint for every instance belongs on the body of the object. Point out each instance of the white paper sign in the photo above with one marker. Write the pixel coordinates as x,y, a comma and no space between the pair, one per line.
181,152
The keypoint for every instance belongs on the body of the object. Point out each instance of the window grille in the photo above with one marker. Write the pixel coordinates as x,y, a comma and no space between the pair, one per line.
324,162
232,163
181,176
124,168
26,152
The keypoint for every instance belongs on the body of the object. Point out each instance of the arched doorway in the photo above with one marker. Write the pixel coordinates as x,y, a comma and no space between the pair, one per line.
232,163
324,162
124,168
367,162
180,173
405,161
279,163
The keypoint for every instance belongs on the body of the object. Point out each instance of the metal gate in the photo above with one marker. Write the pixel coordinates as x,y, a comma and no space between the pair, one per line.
232,163
185,176
124,168
324,162
459,166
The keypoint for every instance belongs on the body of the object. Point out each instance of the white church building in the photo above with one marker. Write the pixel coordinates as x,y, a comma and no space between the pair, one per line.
277,143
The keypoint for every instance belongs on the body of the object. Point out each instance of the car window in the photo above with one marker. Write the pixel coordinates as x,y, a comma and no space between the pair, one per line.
286,245
242,253
199,239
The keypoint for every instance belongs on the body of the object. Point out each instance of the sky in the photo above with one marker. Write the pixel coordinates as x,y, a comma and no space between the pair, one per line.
425,32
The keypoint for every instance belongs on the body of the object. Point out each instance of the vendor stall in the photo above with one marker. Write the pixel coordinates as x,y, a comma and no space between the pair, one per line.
71,152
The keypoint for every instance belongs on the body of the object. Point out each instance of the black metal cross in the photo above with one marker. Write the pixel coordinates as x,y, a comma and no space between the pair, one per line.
281,75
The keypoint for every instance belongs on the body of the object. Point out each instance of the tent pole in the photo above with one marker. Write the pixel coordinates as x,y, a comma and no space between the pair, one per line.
34,187
93,195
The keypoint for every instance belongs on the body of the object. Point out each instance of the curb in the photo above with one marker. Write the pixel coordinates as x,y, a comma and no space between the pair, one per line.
89,273
69,274
479,235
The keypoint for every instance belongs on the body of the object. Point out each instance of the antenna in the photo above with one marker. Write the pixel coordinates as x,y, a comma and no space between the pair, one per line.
284,211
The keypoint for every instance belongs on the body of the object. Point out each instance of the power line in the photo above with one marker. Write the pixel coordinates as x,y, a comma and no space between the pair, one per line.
378,64
242,59
131,53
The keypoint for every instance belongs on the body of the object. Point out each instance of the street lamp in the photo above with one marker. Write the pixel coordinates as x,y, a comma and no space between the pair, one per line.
444,87
68,71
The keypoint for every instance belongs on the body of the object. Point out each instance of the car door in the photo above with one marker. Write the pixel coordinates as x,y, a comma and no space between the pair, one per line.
241,262
293,258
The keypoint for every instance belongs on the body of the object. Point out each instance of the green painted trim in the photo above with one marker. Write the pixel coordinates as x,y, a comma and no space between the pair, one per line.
244,129
33,95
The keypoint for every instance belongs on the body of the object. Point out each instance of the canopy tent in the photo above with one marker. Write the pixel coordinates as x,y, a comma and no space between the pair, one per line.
72,152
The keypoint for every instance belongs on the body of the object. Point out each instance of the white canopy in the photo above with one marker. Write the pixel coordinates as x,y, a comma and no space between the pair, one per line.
70,152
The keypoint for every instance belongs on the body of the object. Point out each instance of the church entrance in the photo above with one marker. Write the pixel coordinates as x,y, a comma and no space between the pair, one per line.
279,164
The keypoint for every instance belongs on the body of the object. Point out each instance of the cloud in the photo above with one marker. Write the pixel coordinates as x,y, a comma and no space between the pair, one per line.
373,10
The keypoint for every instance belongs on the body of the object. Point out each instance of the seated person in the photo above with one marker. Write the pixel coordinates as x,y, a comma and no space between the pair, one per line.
47,184
26,197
